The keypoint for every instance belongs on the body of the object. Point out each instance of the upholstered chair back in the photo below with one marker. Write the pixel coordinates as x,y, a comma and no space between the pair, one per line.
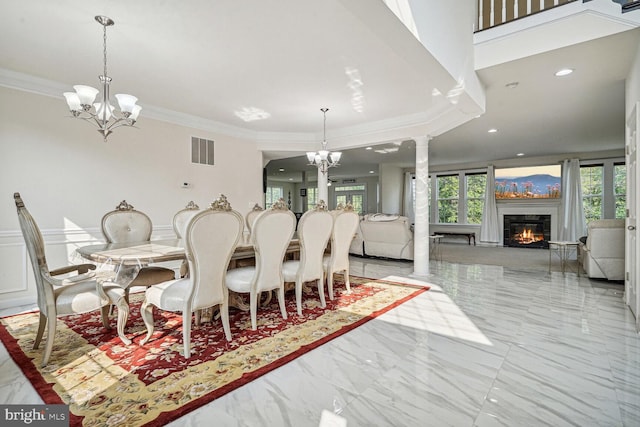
344,228
271,233
211,238
314,231
252,215
182,217
125,224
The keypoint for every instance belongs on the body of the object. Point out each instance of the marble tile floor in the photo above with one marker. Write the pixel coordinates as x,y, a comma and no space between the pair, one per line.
486,346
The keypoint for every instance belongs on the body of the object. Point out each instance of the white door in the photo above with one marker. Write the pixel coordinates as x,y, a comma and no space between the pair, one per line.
632,277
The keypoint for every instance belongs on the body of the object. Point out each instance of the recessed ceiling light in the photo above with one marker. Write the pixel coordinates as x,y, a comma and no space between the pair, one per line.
290,179
369,148
564,72
281,169
492,130
372,171
520,154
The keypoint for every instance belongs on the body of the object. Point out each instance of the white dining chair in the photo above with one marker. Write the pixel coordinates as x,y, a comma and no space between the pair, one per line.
252,215
180,221
125,224
345,224
210,240
314,231
59,292
271,234
182,217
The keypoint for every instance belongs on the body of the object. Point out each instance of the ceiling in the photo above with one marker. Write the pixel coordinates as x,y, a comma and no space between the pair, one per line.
286,59
543,115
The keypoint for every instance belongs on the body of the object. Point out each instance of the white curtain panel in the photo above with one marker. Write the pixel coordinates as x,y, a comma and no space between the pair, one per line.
489,229
572,221
409,203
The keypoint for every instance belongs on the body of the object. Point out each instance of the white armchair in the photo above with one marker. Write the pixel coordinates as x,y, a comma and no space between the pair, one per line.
602,256
383,235
61,294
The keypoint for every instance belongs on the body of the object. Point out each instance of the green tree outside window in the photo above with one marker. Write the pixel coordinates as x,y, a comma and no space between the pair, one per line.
591,181
476,185
448,198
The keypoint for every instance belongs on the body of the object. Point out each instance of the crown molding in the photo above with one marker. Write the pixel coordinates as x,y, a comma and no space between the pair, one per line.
370,132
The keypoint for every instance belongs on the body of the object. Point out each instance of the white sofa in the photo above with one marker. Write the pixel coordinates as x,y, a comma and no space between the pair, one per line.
602,256
383,235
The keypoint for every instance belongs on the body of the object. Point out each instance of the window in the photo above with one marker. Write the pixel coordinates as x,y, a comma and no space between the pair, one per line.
476,185
458,198
312,198
620,189
447,198
591,181
272,196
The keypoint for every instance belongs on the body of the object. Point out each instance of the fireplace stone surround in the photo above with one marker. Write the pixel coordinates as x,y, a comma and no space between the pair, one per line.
530,207
527,231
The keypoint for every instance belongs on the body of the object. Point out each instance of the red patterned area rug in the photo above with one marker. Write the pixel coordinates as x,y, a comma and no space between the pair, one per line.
107,383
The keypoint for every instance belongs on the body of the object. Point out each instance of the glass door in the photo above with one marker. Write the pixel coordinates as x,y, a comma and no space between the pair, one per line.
354,194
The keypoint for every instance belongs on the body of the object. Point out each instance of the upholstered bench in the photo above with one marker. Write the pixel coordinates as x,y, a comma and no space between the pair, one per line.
468,235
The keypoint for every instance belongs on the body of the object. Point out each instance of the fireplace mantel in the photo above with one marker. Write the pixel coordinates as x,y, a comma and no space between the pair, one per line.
527,207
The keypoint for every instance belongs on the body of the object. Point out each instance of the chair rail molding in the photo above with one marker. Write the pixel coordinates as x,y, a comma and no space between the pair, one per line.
18,285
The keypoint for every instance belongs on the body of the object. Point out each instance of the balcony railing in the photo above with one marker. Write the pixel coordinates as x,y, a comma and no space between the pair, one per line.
496,12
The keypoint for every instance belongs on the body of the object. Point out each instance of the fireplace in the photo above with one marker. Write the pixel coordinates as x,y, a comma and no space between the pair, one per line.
527,231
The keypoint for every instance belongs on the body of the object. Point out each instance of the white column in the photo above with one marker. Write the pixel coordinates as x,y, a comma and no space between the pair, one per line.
323,188
421,225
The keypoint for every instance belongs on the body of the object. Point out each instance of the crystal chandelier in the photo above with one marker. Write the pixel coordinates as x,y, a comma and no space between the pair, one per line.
324,159
102,113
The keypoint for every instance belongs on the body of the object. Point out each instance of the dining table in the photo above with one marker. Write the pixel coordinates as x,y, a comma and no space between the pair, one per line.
126,259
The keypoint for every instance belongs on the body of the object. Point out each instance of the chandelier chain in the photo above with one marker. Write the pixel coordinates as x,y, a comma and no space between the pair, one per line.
324,128
324,159
104,49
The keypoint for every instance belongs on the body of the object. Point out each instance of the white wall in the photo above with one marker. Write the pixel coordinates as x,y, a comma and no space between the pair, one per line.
68,178
632,90
391,188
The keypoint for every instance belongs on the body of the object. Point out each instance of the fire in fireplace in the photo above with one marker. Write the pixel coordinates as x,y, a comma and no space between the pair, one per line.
530,231
526,236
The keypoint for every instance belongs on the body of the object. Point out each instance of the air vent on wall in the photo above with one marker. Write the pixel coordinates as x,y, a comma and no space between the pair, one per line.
202,151
349,181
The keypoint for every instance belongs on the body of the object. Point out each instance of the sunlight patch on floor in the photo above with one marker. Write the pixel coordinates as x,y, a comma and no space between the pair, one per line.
436,312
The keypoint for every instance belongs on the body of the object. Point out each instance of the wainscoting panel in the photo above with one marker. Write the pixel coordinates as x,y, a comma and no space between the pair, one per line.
17,284
14,254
